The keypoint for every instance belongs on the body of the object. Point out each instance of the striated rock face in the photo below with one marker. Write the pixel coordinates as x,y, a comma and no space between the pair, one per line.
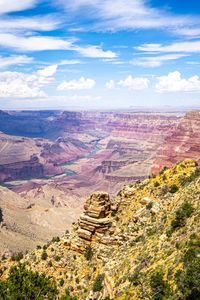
95,218
26,158
95,224
183,143
22,170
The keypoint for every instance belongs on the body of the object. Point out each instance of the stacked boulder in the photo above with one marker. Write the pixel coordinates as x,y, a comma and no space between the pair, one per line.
95,221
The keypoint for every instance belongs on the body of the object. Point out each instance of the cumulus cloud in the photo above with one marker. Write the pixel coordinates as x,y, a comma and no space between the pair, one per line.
110,85
80,84
173,82
22,85
156,61
134,83
48,71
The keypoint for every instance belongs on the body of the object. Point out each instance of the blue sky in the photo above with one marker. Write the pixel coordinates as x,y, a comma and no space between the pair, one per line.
99,54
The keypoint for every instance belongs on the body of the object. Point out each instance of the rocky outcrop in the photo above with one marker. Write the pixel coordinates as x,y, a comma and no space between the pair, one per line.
95,224
183,143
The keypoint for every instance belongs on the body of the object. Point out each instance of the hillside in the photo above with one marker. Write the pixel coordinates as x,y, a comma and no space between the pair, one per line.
143,245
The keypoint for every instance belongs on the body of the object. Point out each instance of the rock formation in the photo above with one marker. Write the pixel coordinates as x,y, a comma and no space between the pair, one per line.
95,224
183,143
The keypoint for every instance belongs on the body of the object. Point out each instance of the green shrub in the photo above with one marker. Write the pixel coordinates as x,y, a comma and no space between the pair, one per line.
188,280
88,253
57,258
134,279
24,284
173,189
184,212
17,257
149,205
61,282
160,289
67,296
98,284
55,239
156,184
44,255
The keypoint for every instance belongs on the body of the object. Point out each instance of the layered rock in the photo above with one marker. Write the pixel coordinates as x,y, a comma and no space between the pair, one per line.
183,143
95,219
95,224
25,158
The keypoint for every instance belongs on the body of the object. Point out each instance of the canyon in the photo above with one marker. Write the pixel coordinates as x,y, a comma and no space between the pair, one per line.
53,160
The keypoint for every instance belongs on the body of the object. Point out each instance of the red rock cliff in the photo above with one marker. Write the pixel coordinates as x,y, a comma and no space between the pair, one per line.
183,143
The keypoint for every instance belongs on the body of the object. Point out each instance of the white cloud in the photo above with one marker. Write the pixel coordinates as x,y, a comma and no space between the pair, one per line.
156,61
33,43
14,60
69,62
124,14
22,85
190,32
173,82
42,43
110,84
135,83
44,23
48,71
81,84
184,47
7,6
95,52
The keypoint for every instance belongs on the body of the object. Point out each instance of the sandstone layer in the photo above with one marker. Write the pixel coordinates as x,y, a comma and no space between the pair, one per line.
183,143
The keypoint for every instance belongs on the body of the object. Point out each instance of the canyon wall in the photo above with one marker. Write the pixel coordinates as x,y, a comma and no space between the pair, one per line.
183,143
